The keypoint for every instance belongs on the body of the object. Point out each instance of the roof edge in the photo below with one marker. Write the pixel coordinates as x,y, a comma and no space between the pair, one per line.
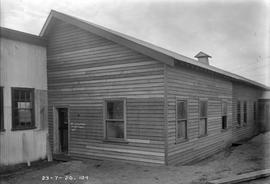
233,76
22,36
114,36
148,49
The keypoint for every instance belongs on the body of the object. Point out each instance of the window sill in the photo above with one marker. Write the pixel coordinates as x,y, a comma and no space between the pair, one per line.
178,141
115,141
20,129
2,130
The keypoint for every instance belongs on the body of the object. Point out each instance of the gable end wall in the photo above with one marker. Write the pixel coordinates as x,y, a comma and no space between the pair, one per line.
83,70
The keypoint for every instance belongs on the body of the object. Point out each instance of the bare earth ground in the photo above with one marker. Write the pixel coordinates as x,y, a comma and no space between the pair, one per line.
251,156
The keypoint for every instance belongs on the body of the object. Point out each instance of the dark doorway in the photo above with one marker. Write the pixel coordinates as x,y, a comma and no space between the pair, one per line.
63,129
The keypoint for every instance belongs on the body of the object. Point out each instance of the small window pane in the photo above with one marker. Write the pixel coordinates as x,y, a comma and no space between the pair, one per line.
181,110
115,110
16,95
181,126
239,112
203,108
245,112
202,126
224,115
24,105
115,129
224,122
224,108
27,96
22,96
24,116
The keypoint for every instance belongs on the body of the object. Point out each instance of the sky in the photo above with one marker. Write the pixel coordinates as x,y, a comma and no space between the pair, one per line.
236,33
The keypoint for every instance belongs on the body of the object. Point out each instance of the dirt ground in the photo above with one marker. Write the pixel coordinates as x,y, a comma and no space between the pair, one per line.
251,156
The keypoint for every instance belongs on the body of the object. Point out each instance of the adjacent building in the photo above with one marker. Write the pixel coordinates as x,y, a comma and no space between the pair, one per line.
23,97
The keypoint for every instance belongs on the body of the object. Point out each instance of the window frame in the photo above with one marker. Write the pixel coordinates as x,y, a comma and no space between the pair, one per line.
245,118
33,123
105,138
238,113
203,117
2,125
223,102
185,138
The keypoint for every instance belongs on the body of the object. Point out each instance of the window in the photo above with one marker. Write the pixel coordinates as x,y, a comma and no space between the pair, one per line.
203,118
245,112
181,119
254,111
1,109
224,115
114,119
239,113
23,108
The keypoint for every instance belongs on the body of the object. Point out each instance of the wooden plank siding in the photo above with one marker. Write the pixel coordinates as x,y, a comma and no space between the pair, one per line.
192,85
250,95
83,70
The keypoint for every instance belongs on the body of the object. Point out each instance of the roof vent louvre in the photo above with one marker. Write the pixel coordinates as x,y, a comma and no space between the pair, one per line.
203,58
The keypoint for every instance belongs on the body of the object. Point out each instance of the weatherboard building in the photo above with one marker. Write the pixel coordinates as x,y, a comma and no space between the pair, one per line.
111,96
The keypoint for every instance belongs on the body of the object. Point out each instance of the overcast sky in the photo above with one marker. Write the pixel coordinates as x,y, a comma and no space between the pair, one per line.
234,32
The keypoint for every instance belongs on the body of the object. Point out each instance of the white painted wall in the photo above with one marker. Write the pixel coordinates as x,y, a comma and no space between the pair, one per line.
23,65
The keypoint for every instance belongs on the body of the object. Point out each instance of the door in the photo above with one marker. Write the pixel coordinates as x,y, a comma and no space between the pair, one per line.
63,129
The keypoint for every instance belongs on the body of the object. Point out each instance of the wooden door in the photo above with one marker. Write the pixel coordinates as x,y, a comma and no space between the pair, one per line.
63,129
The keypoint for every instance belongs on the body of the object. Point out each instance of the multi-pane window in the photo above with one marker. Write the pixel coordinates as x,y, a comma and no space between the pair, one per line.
254,111
1,109
239,112
203,118
22,108
245,112
181,119
114,119
224,115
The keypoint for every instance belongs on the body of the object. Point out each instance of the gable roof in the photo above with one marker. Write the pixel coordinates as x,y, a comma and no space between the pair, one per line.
21,36
158,53
201,54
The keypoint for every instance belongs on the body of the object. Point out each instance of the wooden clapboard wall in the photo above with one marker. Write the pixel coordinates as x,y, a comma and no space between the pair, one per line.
250,95
83,70
191,84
